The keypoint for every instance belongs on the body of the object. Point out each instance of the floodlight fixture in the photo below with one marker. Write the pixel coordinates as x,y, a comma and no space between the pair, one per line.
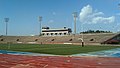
40,18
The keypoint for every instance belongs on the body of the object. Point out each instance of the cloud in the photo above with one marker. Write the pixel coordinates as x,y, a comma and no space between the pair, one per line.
53,13
90,16
103,19
118,14
50,21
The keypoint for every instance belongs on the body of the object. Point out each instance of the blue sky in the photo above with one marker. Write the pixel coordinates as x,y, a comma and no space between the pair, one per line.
92,14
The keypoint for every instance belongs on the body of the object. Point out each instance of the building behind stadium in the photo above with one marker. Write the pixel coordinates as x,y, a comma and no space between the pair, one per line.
46,31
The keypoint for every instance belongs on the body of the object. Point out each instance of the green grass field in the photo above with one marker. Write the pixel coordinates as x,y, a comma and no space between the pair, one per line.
55,49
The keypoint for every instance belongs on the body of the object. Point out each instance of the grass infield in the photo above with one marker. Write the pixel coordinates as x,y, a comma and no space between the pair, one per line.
56,49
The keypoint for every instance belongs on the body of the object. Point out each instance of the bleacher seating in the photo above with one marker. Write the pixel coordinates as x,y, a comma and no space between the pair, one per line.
87,38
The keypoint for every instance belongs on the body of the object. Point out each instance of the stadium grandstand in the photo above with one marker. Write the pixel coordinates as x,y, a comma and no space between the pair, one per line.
89,39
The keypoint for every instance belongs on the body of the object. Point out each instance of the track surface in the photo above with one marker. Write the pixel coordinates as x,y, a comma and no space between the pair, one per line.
19,61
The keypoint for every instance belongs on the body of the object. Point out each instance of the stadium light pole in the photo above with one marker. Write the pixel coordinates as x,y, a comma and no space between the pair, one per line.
40,19
75,17
6,21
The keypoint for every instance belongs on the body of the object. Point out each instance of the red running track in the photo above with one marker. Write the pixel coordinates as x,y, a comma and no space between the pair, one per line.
19,61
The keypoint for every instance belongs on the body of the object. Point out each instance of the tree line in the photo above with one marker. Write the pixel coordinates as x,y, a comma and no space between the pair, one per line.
95,31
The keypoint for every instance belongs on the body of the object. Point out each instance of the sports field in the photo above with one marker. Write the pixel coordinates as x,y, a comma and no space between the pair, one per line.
56,49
